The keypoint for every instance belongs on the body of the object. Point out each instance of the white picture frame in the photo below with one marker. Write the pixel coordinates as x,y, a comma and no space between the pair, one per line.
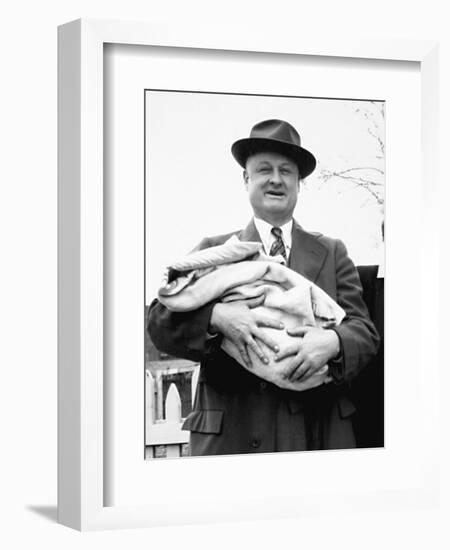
82,484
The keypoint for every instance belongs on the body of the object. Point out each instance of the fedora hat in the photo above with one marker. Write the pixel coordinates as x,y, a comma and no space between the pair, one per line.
275,136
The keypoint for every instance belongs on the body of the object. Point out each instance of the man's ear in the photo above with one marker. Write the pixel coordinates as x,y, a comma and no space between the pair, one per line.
299,185
246,177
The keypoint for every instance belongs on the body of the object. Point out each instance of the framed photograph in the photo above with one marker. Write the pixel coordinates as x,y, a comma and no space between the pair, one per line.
152,129
343,196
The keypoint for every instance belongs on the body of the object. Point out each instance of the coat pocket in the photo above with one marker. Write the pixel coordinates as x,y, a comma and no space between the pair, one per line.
204,421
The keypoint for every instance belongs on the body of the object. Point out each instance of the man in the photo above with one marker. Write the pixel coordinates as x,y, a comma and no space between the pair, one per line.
235,411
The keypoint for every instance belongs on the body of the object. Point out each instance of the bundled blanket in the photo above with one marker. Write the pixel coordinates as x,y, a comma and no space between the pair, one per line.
238,271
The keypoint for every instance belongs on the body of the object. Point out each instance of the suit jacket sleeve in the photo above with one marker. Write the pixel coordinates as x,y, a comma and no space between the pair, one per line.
357,334
182,334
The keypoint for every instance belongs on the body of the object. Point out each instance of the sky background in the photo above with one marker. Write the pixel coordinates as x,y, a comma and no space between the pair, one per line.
194,187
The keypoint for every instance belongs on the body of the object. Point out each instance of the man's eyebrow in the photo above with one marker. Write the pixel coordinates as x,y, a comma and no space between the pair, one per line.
285,163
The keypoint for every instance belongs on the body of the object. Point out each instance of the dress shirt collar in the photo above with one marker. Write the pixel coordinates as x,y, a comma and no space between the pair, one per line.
264,229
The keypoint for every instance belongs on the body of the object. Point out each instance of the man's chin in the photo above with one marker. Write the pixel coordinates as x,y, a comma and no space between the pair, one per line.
275,206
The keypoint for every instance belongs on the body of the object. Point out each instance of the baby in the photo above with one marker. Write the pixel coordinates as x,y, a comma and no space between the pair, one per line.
241,271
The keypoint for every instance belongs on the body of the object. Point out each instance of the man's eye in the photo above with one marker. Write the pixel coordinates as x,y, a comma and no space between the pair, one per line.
264,170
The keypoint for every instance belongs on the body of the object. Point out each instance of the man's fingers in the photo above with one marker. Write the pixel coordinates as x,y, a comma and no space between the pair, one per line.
245,356
251,303
269,323
292,366
257,350
288,351
267,341
302,371
299,331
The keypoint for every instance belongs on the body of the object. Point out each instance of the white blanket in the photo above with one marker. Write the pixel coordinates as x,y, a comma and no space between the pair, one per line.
237,271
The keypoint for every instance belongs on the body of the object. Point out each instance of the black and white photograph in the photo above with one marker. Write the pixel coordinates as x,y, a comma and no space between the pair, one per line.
264,273
201,205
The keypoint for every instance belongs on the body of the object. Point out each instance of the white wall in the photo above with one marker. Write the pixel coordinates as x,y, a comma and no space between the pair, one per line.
28,273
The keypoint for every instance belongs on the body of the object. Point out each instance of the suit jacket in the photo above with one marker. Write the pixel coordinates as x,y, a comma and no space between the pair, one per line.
236,412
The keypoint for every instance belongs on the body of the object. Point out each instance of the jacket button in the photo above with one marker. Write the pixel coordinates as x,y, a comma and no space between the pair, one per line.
256,443
263,385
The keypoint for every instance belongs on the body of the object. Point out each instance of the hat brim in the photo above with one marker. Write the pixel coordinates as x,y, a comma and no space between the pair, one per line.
244,148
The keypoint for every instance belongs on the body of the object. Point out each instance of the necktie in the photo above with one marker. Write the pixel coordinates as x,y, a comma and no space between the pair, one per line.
278,244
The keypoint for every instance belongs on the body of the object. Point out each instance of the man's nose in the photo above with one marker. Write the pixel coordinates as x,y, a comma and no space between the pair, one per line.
276,176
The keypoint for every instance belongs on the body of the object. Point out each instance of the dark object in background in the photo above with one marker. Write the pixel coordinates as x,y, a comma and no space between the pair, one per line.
367,391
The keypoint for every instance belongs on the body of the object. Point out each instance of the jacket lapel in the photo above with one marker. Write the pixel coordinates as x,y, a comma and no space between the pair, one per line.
250,233
307,253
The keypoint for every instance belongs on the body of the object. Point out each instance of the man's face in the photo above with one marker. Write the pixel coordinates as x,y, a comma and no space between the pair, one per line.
272,181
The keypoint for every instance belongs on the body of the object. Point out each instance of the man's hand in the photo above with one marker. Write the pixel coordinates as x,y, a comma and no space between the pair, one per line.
237,322
312,350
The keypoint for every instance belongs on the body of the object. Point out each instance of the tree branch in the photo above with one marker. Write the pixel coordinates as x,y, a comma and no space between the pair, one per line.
366,184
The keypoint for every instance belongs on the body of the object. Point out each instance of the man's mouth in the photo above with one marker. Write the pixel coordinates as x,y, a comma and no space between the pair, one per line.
275,194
